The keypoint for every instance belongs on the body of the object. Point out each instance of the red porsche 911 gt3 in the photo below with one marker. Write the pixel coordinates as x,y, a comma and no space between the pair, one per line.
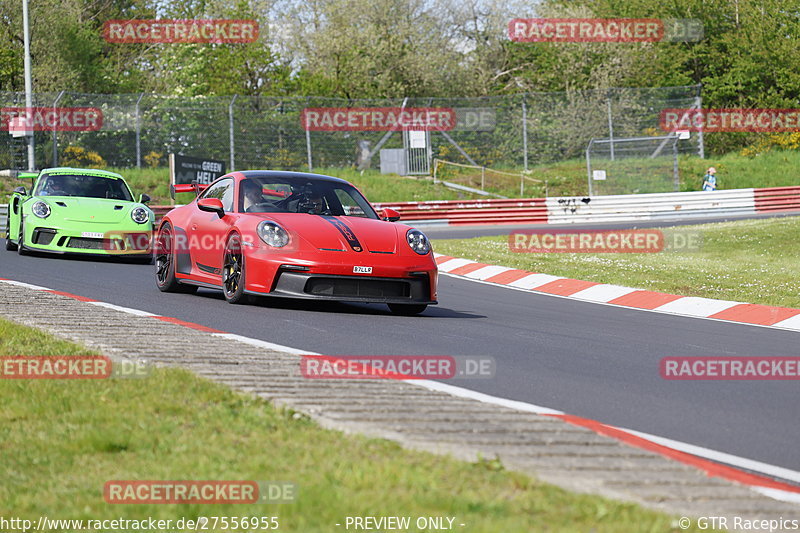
296,235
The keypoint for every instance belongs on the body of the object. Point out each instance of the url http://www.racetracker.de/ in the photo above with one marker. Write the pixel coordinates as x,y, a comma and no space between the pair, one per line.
161,525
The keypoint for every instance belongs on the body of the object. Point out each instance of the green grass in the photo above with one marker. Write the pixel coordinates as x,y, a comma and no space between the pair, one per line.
62,440
752,261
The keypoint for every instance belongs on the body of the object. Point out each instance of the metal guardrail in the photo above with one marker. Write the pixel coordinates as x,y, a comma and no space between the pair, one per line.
582,209
585,209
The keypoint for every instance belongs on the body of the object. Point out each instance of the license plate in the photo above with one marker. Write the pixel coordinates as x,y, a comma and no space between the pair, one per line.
362,270
92,234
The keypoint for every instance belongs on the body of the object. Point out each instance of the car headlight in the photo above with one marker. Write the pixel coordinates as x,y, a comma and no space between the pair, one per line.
140,215
41,209
418,241
272,234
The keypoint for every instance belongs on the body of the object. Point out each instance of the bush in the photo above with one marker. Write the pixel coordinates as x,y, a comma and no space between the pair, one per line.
76,156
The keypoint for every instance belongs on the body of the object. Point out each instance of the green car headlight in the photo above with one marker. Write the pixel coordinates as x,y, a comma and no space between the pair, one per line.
272,234
140,215
418,241
40,209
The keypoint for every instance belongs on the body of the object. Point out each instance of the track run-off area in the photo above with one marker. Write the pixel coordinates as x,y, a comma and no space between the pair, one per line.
586,359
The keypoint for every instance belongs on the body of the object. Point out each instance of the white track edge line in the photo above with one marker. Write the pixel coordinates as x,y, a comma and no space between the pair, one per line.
533,291
128,310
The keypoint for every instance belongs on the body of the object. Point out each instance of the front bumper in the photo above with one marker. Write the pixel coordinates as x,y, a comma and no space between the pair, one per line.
414,290
318,275
106,241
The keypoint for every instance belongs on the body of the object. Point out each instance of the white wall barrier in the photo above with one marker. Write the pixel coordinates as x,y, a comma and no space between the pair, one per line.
650,206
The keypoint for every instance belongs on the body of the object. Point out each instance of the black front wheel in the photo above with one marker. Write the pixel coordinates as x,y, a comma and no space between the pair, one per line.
233,272
165,263
407,309
10,246
20,240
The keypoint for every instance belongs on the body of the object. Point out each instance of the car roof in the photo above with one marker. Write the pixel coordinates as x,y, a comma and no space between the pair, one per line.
81,171
287,174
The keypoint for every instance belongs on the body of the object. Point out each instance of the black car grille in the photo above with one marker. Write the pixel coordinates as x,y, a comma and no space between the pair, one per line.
43,236
358,288
85,244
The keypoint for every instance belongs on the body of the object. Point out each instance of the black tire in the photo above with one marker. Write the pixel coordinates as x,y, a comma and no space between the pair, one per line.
165,263
233,274
21,240
407,309
10,246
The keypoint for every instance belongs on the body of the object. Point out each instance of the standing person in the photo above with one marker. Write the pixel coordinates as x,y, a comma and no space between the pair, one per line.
710,179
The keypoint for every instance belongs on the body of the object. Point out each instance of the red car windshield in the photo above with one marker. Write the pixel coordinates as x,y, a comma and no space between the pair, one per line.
302,195
83,186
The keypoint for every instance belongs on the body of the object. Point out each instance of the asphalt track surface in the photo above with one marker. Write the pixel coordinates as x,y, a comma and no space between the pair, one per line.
591,360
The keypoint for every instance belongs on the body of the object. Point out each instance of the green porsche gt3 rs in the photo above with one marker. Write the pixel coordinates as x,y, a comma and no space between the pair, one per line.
83,211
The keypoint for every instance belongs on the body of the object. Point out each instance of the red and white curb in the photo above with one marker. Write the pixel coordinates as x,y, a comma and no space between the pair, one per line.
590,291
760,477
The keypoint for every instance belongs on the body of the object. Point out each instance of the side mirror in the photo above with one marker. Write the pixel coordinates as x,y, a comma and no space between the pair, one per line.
144,198
21,190
212,205
390,215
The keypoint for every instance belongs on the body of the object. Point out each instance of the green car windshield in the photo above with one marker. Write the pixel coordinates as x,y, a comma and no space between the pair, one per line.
83,186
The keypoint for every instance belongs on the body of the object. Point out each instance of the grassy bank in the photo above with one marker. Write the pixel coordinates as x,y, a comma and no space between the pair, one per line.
69,437
753,261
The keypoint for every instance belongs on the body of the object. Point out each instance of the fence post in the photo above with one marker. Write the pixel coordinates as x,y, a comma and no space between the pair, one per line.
230,130
308,143
138,134
589,166
524,134
610,124
701,149
55,136
675,175
483,178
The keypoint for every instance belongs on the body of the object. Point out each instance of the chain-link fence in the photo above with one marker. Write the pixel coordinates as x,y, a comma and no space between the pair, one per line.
633,165
505,132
